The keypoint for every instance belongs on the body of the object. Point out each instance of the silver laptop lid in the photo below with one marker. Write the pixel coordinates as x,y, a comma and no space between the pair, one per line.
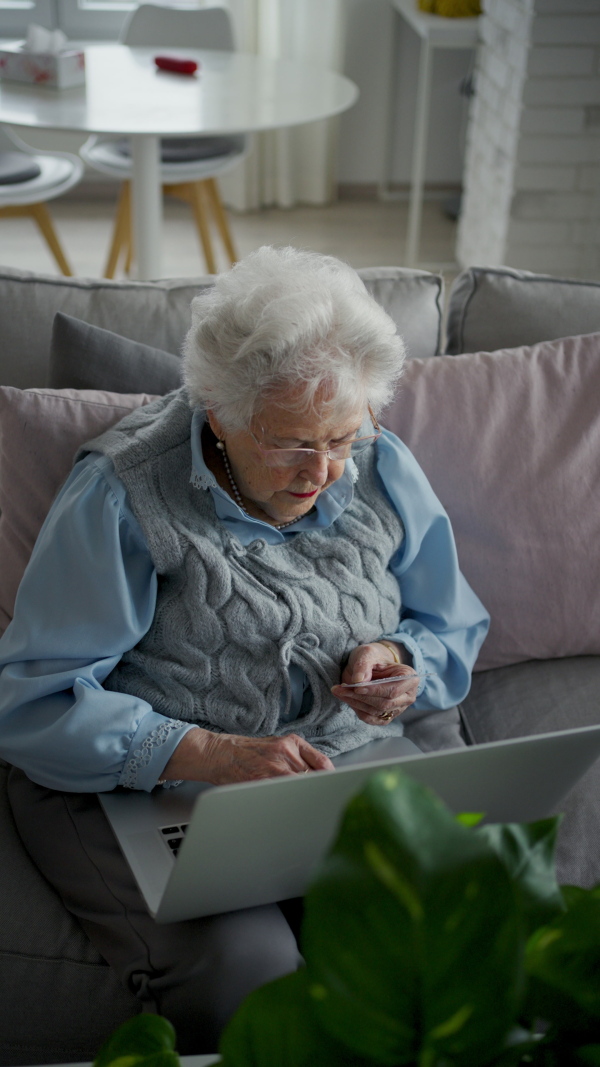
259,842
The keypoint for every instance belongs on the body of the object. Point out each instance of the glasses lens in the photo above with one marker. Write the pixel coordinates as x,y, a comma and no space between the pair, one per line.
292,457
285,457
341,451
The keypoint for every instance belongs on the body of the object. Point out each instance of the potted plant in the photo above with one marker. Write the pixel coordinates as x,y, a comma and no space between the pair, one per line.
430,940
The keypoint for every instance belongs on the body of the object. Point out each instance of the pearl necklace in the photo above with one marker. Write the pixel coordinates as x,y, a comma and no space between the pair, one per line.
236,492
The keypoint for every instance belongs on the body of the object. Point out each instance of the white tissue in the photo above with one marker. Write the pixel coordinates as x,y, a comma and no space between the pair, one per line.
38,40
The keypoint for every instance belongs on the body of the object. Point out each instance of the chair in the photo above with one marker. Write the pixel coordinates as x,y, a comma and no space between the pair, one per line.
189,166
28,178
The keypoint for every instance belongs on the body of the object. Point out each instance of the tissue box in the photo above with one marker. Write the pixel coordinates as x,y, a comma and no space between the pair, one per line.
41,68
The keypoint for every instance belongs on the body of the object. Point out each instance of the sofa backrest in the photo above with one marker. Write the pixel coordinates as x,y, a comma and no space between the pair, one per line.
158,313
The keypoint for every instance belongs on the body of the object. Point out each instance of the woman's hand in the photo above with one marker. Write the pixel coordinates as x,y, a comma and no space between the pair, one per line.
378,704
202,756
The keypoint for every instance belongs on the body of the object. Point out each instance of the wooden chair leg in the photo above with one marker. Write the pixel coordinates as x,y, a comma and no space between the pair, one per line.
40,213
201,215
220,216
121,231
129,256
194,193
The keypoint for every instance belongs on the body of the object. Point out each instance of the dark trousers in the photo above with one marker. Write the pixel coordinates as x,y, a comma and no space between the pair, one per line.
196,972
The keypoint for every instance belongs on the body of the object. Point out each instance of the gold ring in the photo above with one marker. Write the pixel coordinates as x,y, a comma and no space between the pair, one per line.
386,715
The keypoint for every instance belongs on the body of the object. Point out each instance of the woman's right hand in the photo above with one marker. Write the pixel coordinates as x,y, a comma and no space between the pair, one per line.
203,756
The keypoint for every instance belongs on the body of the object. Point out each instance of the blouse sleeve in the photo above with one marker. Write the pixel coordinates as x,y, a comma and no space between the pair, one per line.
87,596
443,623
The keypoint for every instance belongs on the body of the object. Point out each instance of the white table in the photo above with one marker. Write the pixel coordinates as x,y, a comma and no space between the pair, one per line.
433,32
125,94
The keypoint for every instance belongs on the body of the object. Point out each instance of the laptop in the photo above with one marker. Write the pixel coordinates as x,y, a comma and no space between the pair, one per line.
199,850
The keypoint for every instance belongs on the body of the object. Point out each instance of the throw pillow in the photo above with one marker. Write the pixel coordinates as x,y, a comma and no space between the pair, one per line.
498,307
86,357
510,441
40,432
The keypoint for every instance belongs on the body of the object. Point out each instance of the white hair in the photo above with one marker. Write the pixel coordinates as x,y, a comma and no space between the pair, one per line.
289,324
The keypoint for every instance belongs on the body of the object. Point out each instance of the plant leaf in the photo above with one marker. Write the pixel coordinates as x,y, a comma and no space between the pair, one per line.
521,1047
470,818
572,893
527,850
563,964
588,1055
153,1059
137,1041
276,1027
412,931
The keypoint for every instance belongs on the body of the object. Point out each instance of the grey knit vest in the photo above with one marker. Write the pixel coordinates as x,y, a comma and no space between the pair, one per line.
231,618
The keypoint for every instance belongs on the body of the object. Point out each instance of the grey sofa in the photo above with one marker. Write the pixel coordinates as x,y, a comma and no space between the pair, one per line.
59,999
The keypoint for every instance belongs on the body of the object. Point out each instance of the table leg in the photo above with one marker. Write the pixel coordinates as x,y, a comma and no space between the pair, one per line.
419,153
147,205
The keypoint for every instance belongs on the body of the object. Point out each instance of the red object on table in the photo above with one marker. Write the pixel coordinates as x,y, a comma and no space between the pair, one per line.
177,66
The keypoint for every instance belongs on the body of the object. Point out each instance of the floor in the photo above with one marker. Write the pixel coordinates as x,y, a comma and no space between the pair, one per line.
365,233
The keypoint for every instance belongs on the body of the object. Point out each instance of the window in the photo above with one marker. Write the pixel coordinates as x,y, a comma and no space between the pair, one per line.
80,19
89,19
15,15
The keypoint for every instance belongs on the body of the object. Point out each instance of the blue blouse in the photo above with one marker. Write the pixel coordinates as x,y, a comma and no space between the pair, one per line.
89,594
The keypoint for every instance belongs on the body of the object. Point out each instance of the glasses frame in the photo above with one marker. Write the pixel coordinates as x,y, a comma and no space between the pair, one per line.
306,452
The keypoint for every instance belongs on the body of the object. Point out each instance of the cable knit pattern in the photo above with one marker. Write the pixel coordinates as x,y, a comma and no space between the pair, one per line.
230,619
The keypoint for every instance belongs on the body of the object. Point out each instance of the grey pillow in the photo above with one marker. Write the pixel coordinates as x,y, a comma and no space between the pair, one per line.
497,307
87,357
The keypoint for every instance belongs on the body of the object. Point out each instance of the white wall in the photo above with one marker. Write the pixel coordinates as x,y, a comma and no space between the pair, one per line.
363,129
532,175
373,29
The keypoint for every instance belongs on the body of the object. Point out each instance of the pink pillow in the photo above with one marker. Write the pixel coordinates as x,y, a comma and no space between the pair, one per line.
510,441
40,432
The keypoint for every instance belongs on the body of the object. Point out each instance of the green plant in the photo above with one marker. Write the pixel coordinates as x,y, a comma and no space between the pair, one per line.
429,940
434,941
147,1040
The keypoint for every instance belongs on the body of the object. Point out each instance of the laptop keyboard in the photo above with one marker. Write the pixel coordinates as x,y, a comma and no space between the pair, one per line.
173,836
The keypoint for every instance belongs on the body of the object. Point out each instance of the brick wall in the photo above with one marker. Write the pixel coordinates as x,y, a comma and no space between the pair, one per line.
532,167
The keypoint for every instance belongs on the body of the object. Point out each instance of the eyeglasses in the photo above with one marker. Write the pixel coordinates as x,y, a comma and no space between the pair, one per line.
293,457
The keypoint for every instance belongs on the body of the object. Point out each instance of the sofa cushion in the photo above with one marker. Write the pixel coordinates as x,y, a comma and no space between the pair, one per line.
414,299
510,441
492,308
40,432
87,357
158,313
537,698
43,949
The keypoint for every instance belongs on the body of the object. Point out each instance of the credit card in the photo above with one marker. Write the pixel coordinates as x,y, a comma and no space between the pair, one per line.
384,681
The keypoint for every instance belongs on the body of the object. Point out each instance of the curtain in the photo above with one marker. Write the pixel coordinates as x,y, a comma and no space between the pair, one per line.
295,165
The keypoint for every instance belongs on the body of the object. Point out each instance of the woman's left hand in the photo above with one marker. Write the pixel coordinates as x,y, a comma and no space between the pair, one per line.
377,704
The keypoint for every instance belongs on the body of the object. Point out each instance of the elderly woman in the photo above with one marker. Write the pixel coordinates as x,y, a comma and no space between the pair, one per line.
214,567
